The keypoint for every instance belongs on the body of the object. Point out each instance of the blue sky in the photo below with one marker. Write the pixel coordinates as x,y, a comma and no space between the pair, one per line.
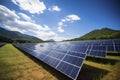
59,19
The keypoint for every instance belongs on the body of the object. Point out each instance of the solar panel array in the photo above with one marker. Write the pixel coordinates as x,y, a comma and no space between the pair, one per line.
68,57
100,47
61,56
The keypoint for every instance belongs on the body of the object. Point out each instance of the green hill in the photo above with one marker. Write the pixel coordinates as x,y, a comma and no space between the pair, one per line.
104,33
14,35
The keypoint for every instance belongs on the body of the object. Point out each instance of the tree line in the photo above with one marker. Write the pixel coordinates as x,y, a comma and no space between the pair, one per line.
9,40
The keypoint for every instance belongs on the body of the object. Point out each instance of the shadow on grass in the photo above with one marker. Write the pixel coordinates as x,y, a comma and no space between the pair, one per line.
113,54
91,73
102,60
86,73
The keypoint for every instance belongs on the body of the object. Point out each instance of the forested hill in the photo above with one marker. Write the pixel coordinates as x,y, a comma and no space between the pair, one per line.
14,35
104,33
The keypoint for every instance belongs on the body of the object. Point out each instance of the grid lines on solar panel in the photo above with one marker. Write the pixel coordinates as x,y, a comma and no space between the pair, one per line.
98,51
56,57
68,57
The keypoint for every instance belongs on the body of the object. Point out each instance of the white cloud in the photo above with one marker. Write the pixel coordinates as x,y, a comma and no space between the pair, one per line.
72,17
32,6
54,8
68,18
12,21
46,27
25,17
11,16
60,23
60,29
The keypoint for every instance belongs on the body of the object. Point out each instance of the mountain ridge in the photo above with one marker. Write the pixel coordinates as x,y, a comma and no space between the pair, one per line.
15,35
104,33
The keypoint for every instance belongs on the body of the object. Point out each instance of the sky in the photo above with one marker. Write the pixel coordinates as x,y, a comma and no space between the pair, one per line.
59,19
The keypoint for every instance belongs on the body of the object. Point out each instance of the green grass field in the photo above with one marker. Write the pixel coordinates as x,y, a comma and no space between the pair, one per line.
17,65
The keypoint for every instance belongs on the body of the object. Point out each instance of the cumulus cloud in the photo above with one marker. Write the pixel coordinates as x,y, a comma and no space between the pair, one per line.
6,14
25,17
68,18
32,6
12,21
54,8
72,17
60,29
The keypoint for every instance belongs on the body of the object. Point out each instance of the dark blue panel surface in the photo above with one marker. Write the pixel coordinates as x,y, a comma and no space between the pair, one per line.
117,47
74,72
73,60
56,55
100,48
110,48
68,69
77,54
41,56
98,53
61,51
117,41
81,49
107,42
51,61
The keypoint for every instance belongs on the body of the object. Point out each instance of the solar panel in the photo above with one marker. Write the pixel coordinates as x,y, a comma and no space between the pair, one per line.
107,42
110,44
99,48
117,47
110,48
79,48
98,53
117,41
68,57
61,56
68,69
77,54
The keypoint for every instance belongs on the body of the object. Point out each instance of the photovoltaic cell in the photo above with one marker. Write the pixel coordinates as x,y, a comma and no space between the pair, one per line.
107,42
51,61
68,69
73,60
117,41
98,53
110,48
57,55
117,47
41,56
81,49
99,48
77,54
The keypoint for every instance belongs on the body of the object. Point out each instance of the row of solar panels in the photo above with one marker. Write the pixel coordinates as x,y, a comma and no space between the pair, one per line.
98,42
68,57
68,63
95,50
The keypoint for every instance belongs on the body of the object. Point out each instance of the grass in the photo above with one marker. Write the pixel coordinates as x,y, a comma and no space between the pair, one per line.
14,65
18,65
91,73
102,60
113,71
